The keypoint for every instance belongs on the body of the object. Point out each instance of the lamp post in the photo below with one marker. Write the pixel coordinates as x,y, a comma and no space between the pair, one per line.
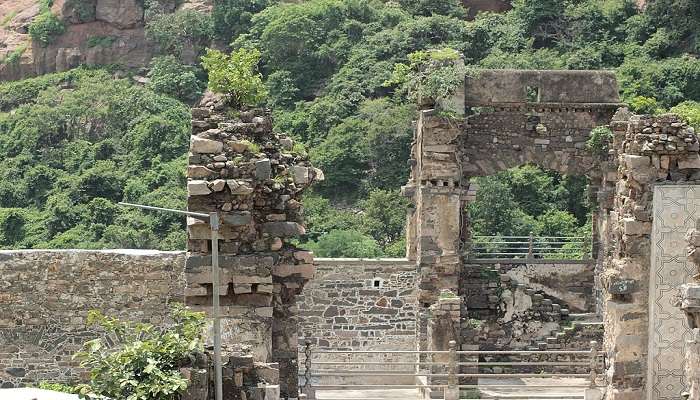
213,220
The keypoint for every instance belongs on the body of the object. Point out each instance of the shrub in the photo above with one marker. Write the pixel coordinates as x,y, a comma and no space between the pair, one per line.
101,41
644,105
236,75
146,365
345,243
172,32
46,27
690,112
599,140
432,74
14,56
168,76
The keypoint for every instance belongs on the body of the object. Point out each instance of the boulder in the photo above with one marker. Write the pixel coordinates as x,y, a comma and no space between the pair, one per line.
198,188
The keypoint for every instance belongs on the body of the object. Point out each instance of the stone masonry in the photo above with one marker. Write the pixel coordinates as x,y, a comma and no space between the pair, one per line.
46,296
648,152
509,118
254,179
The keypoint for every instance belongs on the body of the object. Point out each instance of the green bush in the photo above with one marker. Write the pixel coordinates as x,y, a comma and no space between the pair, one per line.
235,75
690,112
46,27
644,105
433,74
173,32
599,140
345,243
168,76
101,41
14,56
146,364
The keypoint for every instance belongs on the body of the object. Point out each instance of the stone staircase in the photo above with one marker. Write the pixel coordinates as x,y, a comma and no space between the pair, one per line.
577,334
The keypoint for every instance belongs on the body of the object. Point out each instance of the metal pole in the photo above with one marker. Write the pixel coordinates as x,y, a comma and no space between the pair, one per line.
216,282
530,251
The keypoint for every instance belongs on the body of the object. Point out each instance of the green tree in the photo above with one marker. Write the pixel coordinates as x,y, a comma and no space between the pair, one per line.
690,112
169,77
345,243
235,75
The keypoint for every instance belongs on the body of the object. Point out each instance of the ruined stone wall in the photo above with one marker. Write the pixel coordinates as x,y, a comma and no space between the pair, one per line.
46,295
649,153
360,304
253,178
520,306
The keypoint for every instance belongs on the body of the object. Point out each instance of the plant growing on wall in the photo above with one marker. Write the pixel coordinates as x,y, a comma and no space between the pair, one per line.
599,140
430,76
46,27
235,75
146,365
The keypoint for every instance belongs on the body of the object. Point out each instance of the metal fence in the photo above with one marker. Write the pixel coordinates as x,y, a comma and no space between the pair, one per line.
443,374
529,247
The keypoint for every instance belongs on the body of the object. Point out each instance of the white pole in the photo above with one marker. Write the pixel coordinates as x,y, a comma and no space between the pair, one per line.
214,224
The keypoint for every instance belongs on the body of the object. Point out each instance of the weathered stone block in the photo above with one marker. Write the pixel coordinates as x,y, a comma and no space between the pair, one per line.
204,146
633,227
283,229
237,218
263,169
198,188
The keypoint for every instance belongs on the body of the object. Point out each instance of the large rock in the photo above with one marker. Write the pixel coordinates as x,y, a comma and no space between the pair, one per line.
205,146
283,229
124,14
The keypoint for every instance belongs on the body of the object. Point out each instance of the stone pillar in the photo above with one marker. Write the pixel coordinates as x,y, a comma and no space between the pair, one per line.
650,151
254,179
436,193
443,329
690,304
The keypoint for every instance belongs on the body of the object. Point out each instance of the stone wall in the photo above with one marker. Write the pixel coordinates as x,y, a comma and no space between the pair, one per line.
360,304
46,296
522,305
252,178
648,154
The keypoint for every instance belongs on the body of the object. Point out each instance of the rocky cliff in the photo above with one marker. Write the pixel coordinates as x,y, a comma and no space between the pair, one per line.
97,32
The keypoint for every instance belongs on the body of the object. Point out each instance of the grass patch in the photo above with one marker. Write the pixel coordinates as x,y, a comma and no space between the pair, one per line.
14,56
101,41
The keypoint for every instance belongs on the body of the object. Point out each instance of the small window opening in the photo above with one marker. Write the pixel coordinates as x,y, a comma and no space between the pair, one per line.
377,283
533,94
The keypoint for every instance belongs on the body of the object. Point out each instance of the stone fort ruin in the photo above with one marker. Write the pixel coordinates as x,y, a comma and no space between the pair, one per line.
276,298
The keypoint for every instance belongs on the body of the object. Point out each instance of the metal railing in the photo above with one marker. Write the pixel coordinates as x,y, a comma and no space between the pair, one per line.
529,247
440,370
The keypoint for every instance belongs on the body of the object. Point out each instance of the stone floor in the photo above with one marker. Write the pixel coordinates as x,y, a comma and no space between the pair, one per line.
567,388
34,394
402,394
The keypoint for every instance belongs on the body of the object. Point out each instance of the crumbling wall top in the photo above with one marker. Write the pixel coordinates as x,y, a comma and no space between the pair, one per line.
547,86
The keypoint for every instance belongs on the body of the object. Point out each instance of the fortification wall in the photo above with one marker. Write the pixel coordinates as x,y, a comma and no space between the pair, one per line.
360,304
46,295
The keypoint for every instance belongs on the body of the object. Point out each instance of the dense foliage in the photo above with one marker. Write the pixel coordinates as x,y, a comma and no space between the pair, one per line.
325,65
74,145
146,363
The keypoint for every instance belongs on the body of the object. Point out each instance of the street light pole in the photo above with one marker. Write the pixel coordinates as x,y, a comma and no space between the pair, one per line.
213,220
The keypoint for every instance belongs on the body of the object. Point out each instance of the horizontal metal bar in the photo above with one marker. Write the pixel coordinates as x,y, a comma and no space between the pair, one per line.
552,363
377,386
371,373
377,352
373,363
583,386
528,237
536,352
522,375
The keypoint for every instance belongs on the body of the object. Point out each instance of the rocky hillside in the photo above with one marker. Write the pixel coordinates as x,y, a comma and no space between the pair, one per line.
94,32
